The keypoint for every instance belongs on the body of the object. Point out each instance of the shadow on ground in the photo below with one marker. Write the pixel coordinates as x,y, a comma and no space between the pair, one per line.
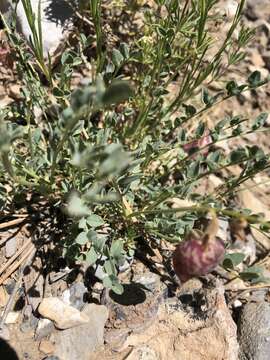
7,352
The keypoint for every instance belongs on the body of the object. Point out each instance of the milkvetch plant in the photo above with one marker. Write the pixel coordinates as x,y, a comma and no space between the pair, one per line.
113,151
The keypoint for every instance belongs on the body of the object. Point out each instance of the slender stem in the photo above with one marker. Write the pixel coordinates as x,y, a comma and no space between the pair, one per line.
203,208
95,8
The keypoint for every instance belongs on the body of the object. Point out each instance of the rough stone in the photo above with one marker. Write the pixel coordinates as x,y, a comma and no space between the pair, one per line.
29,322
64,316
46,347
11,247
77,294
44,328
199,331
254,331
79,342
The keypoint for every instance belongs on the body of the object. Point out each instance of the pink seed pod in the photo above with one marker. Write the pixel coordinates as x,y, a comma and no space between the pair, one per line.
198,255
198,144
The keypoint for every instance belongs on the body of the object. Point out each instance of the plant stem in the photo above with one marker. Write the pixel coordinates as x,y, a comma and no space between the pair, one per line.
204,208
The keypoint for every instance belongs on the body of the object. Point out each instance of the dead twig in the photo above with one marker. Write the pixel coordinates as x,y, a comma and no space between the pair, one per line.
11,223
250,288
16,265
16,287
14,257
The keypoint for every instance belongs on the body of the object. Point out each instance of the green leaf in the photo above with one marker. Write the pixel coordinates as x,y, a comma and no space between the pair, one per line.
117,288
117,58
82,223
254,79
160,91
265,227
91,257
200,129
116,161
260,121
95,221
117,92
194,169
124,48
117,251
206,97
232,260
251,273
190,110
237,155
234,89
98,242
107,282
82,238
76,207
112,282
109,267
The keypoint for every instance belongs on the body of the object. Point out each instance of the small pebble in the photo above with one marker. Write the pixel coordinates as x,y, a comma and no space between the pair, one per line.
10,286
44,328
46,347
29,322
77,294
237,304
12,317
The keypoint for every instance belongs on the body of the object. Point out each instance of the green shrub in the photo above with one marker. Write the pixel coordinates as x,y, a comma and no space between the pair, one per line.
116,150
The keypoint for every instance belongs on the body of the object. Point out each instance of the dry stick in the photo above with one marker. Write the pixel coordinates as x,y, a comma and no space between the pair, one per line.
250,288
21,215
14,291
11,223
15,266
14,257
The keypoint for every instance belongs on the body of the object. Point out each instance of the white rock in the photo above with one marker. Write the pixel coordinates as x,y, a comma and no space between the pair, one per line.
64,316
56,15
237,304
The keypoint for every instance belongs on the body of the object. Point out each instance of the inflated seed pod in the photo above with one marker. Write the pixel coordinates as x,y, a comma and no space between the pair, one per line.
199,253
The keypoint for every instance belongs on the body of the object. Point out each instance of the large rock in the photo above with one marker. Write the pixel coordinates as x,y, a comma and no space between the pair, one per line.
254,331
64,316
78,343
197,326
56,15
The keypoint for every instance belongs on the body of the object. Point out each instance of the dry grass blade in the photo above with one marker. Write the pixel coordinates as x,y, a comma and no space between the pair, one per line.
15,256
18,283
